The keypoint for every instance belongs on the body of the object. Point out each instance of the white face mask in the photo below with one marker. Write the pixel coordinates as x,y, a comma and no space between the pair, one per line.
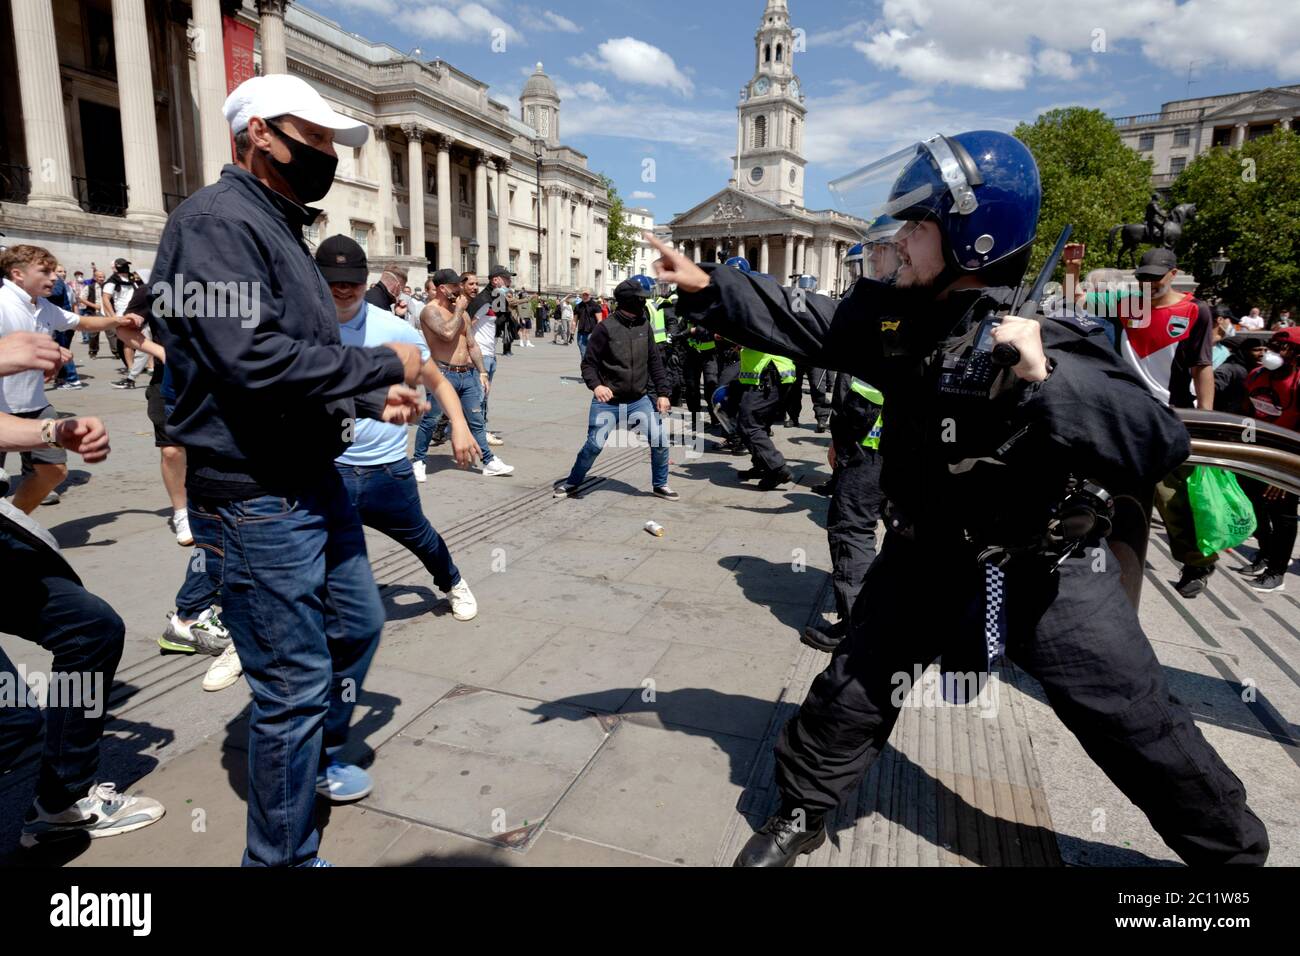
1272,361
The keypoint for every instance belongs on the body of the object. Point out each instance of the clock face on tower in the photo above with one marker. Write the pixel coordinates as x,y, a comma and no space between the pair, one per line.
794,87
762,86
756,174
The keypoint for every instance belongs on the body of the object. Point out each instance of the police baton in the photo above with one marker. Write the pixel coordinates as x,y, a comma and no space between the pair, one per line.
1006,355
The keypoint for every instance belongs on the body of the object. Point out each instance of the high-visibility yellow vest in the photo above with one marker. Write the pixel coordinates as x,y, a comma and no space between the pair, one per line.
657,322
754,362
871,394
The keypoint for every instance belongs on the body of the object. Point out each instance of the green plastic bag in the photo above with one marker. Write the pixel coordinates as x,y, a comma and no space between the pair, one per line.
1223,514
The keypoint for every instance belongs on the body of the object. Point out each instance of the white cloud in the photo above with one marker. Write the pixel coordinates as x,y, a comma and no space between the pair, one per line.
548,21
439,22
635,61
1009,45
641,194
586,90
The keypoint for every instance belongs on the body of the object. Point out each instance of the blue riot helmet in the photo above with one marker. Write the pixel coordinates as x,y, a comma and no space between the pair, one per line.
981,188
853,261
739,262
631,294
719,402
806,282
880,259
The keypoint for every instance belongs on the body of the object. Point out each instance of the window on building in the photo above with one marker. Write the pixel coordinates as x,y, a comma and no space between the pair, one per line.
399,244
510,203
1177,164
1182,137
533,213
464,188
767,53
431,179
545,128
399,171
514,261
1147,141
573,217
573,273
778,53
794,133
759,137
1257,130
361,236
1222,136
532,117
534,271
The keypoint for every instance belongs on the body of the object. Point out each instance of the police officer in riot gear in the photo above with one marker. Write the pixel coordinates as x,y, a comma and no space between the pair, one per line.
983,465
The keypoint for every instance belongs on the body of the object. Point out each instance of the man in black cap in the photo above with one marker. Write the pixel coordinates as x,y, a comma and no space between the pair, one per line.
621,366
1168,338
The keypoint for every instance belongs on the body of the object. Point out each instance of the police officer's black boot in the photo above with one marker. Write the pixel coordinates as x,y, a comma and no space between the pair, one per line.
823,639
772,479
782,839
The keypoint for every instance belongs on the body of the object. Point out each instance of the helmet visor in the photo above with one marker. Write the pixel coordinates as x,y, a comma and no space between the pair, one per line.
909,183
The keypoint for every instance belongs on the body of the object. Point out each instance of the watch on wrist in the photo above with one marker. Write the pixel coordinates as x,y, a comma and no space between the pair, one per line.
50,432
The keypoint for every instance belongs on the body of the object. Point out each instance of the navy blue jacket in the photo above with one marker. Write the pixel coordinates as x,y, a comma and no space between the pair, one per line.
263,396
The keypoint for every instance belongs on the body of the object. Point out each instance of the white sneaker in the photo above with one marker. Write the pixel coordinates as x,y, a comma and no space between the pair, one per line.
224,671
418,468
497,467
181,525
103,812
530,345
493,440
463,605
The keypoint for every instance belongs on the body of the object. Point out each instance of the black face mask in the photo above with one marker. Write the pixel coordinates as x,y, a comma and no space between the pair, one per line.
310,173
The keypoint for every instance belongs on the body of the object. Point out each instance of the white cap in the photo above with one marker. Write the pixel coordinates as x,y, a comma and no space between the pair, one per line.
279,94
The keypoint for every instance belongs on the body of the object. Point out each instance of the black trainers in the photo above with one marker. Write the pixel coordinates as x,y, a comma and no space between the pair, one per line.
823,640
1193,580
782,840
1254,570
124,383
1268,582
663,491
749,474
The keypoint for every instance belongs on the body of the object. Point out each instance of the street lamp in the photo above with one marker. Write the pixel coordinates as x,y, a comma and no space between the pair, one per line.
1219,263
537,153
472,248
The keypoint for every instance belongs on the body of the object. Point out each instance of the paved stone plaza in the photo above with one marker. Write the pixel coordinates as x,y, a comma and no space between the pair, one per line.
616,699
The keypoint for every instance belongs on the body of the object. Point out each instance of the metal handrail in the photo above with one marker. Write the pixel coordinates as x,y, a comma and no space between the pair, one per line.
15,182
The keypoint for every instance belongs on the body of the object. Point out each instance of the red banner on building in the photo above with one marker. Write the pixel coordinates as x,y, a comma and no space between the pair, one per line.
237,38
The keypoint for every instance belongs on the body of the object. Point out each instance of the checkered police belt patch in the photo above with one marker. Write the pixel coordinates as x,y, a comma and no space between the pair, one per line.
995,614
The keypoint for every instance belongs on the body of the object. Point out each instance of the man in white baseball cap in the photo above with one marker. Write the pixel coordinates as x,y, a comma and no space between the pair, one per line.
266,398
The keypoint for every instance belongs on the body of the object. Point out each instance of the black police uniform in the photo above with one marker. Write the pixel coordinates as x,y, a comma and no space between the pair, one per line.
701,365
856,499
1074,630
821,386
761,407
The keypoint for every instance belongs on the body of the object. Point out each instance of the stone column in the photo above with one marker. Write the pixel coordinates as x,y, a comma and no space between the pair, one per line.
763,255
387,214
789,260
826,266
718,251
588,241
136,106
553,275
1238,135
481,161
566,245
271,32
503,215
415,189
41,93
445,248
209,57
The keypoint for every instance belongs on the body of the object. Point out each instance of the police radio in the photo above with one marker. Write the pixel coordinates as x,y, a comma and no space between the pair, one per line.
1004,355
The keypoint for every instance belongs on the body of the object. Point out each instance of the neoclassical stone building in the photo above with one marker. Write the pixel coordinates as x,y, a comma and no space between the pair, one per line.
760,214
121,119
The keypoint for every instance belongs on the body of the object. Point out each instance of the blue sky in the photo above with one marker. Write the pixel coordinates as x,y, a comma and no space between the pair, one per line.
662,79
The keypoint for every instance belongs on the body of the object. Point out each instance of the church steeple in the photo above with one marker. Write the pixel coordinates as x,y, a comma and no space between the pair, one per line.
772,114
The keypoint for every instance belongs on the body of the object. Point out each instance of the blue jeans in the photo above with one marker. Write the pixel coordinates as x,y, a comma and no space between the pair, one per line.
301,604
69,371
583,339
472,403
489,366
45,604
203,575
386,498
639,416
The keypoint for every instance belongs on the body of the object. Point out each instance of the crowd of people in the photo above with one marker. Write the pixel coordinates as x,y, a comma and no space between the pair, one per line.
278,586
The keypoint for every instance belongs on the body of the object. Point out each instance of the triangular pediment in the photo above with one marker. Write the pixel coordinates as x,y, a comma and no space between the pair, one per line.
1261,101
731,205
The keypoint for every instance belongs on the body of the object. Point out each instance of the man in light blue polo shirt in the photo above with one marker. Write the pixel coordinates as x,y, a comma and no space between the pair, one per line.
376,468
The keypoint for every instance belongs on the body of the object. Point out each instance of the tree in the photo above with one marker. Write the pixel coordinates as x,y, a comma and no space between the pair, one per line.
1091,180
1248,204
620,243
